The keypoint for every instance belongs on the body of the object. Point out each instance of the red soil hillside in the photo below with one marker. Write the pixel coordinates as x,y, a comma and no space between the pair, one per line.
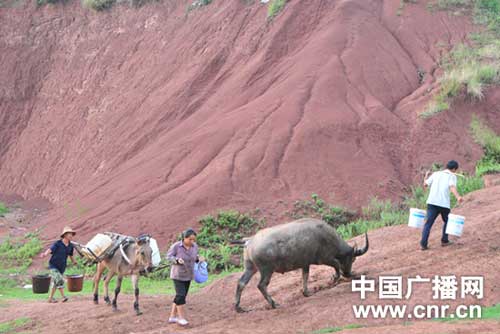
147,118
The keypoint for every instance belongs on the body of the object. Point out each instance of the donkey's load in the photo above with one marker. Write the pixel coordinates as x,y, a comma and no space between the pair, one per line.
97,246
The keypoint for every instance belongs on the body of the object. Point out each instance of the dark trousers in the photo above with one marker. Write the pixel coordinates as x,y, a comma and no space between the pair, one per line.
433,211
181,290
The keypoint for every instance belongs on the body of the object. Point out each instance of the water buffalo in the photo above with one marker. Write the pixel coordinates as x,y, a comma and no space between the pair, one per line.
295,245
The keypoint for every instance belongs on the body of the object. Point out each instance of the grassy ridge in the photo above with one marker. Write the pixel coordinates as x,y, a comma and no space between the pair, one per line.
469,69
490,162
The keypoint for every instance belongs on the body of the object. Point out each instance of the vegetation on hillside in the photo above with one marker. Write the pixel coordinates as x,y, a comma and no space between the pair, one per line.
16,254
98,4
490,141
469,69
14,326
3,209
318,208
275,7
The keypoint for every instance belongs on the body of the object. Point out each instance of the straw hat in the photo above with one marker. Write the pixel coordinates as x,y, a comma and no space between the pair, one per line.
67,229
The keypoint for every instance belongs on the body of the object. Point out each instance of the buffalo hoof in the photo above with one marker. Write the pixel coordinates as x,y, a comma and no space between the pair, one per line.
115,309
137,312
240,309
307,293
107,300
96,302
275,305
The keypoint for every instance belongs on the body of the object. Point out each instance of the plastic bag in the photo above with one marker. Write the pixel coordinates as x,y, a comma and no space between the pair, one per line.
201,272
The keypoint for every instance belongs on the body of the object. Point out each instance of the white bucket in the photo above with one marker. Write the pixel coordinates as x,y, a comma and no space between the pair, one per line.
455,225
417,218
99,244
156,256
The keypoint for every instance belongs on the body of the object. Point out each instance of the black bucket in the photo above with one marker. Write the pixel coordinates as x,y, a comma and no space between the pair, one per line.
41,283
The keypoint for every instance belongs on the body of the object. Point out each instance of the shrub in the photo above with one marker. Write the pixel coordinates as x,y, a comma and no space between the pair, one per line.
492,6
216,232
318,208
98,4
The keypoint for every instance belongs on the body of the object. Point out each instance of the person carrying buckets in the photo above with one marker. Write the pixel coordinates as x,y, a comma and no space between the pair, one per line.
438,202
186,266
60,251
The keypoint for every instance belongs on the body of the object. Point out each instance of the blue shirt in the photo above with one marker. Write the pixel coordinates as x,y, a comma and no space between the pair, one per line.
60,253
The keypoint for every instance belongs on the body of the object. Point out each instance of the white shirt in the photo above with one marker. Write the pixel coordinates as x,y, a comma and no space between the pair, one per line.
440,183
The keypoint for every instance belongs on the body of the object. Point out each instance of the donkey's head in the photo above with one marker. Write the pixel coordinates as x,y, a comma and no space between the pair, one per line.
143,253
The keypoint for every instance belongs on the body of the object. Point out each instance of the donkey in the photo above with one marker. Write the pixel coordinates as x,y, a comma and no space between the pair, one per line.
132,260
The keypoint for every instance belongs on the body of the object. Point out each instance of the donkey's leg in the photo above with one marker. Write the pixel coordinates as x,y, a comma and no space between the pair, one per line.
117,290
135,284
109,276
97,279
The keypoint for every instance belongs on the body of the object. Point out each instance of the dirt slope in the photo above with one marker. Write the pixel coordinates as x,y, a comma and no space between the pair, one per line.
393,251
140,120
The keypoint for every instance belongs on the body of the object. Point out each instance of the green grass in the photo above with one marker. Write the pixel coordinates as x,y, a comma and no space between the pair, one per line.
491,312
13,325
490,141
487,166
486,137
469,69
3,209
376,214
275,7
435,106
147,286
16,254
336,329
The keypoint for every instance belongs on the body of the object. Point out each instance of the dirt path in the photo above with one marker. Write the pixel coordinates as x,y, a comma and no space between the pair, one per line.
393,251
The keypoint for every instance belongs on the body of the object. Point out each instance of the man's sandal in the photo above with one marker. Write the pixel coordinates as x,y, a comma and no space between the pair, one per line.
65,299
52,301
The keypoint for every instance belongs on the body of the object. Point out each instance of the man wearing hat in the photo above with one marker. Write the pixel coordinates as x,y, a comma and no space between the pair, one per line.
60,251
